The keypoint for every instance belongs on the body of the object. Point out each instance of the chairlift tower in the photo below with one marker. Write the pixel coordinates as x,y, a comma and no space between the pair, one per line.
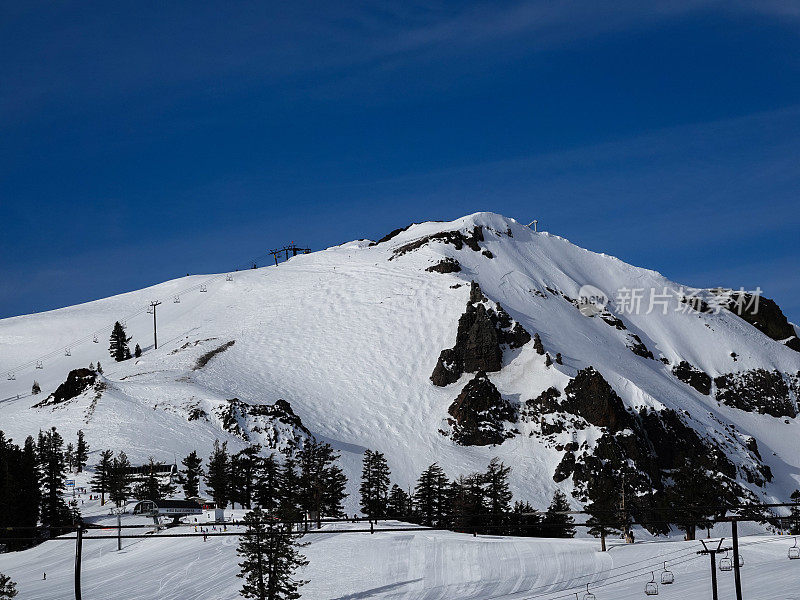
153,305
712,552
535,224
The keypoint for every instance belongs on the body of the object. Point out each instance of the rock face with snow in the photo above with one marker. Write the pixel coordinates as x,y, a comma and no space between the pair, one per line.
384,345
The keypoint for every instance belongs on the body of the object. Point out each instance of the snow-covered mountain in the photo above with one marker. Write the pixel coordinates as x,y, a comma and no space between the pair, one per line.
426,345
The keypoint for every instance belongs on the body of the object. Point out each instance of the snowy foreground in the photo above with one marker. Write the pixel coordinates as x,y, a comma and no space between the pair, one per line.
348,564
402,564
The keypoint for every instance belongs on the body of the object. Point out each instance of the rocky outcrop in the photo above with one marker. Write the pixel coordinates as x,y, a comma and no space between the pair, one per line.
273,426
764,314
393,233
446,265
77,382
479,414
203,360
636,345
757,390
483,330
590,396
693,376
457,239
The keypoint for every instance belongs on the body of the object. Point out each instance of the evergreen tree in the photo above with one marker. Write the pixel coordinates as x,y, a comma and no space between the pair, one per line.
290,489
137,351
398,504
55,512
557,524
547,360
498,495
36,388
467,503
118,347
99,368
120,483
69,456
794,514
430,496
267,484
270,558
537,344
218,476
374,485
190,475
101,480
322,481
526,521
91,366
81,452
694,490
8,589
149,488
20,494
244,468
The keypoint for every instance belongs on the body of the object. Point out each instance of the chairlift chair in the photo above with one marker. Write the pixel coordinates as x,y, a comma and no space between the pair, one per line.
741,560
725,563
589,595
229,277
203,288
651,587
39,364
177,299
67,352
95,340
11,376
667,577
794,551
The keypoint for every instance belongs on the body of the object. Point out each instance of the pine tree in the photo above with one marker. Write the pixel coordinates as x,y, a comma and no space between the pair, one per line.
244,467
525,521
69,456
374,485
694,490
137,351
397,507
537,344
36,388
190,475
81,452
267,484
120,483
55,512
467,503
430,496
149,488
794,514
91,366
218,474
270,558
101,480
99,368
559,525
322,481
8,589
547,360
118,347
20,493
290,489
498,495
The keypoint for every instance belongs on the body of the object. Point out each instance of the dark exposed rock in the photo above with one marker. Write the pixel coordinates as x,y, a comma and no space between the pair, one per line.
446,265
765,315
590,396
487,254
636,346
565,468
697,304
693,376
757,390
196,413
77,382
203,360
456,238
276,426
612,320
391,234
479,413
481,333
537,344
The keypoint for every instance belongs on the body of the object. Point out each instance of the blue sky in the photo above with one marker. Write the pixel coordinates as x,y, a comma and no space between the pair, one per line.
141,141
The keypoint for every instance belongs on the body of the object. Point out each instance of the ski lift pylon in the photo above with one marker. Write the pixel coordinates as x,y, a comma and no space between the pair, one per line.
651,587
666,576
794,551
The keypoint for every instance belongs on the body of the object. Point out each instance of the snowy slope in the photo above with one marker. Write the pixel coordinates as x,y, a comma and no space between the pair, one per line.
349,337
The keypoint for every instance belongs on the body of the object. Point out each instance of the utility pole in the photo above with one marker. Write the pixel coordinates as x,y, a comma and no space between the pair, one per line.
78,552
736,575
153,305
712,552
